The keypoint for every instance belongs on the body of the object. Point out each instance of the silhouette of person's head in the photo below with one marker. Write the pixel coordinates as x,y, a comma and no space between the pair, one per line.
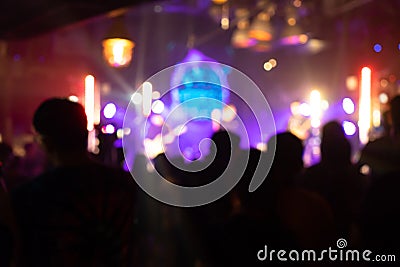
395,114
61,126
225,142
288,153
335,147
5,152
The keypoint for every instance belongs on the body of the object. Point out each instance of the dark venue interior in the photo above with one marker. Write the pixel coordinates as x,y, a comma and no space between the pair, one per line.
199,133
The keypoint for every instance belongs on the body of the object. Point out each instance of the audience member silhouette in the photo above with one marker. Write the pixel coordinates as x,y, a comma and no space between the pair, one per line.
81,212
7,230
381,215
383,154
278,214
336,179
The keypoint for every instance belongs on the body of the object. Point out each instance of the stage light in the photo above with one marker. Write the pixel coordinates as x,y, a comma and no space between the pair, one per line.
156,95
147,98
261,28
262,146
108,129
324,104
225,23
295,108
384,83
109,110
157,120
348,105
127,131
297,3
305,109
293,35
117,47
240,37
383,98
351,83
229,113
349,128
216,115
376,118
315,108
273,62
153,147
377,48
89,101
267,66
157,107
219,2
120,133
137,98
168,138
179,130
73,98
364,117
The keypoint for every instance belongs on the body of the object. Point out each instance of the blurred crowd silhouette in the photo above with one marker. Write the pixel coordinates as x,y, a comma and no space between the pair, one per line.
62,207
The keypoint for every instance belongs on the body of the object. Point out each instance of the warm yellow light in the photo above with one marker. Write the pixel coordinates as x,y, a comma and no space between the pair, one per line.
261,28
225,23
295,108
267,66
229,113
297,3
351,82
219,2
364,117
303,38
291,21
383,98
118,52
376,118
384,83
273,62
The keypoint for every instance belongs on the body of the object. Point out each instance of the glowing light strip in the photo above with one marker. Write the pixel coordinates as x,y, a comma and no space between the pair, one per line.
315,105
147,98
364,116
89,101
97,106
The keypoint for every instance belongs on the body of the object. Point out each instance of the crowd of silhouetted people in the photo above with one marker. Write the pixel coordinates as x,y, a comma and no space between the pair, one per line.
71,210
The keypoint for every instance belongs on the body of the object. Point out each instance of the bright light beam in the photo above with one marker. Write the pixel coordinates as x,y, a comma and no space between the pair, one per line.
315,105
364,117
147,98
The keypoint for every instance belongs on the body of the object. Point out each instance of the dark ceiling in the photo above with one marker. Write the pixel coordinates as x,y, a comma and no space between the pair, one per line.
21,19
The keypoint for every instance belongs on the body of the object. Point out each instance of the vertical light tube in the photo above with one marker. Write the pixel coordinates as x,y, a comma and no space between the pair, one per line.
225,17
315,105
89,101
364,115
97,105
90,111
147,98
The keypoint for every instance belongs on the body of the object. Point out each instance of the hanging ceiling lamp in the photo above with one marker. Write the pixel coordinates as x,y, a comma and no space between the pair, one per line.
219,2
240,37
261,28
117,47
293,34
